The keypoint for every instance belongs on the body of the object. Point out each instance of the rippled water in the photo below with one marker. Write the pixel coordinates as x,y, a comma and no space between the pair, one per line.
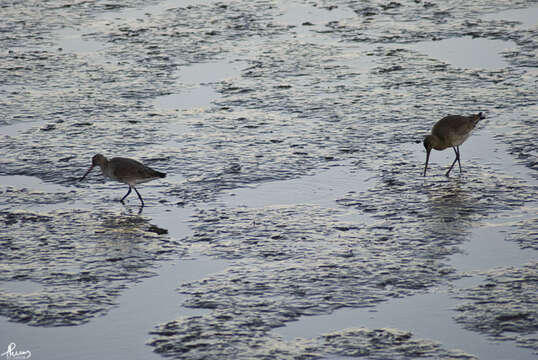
294,221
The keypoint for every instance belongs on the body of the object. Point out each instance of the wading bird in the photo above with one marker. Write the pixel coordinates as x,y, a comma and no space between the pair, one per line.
450,131
127,171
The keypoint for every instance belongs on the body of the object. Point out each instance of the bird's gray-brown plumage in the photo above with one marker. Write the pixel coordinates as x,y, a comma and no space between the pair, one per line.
450,131
125,170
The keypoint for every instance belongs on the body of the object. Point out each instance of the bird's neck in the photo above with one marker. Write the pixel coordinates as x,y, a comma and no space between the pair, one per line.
105,168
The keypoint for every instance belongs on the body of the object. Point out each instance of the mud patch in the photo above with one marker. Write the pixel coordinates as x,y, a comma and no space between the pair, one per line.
361,342
525,233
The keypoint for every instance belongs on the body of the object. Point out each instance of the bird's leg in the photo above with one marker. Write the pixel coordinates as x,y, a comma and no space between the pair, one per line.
140,197
457,149
128,192
456,159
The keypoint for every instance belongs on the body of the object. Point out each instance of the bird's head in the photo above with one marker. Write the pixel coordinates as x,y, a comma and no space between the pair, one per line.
478,117
428,142
97,159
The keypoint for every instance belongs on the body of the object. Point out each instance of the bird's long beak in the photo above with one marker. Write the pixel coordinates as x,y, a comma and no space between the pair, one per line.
87,172
427,158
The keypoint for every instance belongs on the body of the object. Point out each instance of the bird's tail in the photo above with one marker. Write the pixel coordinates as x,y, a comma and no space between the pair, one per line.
159,174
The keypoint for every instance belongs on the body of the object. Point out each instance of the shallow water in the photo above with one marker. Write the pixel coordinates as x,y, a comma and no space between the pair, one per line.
525,16
430,315
294,221
479,53
120,334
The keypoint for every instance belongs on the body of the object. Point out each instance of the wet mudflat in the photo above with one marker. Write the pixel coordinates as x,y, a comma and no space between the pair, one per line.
294,193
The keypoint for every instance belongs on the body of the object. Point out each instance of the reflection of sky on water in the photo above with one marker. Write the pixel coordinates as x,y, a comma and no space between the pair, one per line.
479,53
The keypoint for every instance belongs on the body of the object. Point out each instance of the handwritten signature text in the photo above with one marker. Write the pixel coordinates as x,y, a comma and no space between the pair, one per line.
13,354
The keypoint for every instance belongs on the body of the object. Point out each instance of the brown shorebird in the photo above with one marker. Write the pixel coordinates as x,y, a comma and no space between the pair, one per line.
127,171
450,131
